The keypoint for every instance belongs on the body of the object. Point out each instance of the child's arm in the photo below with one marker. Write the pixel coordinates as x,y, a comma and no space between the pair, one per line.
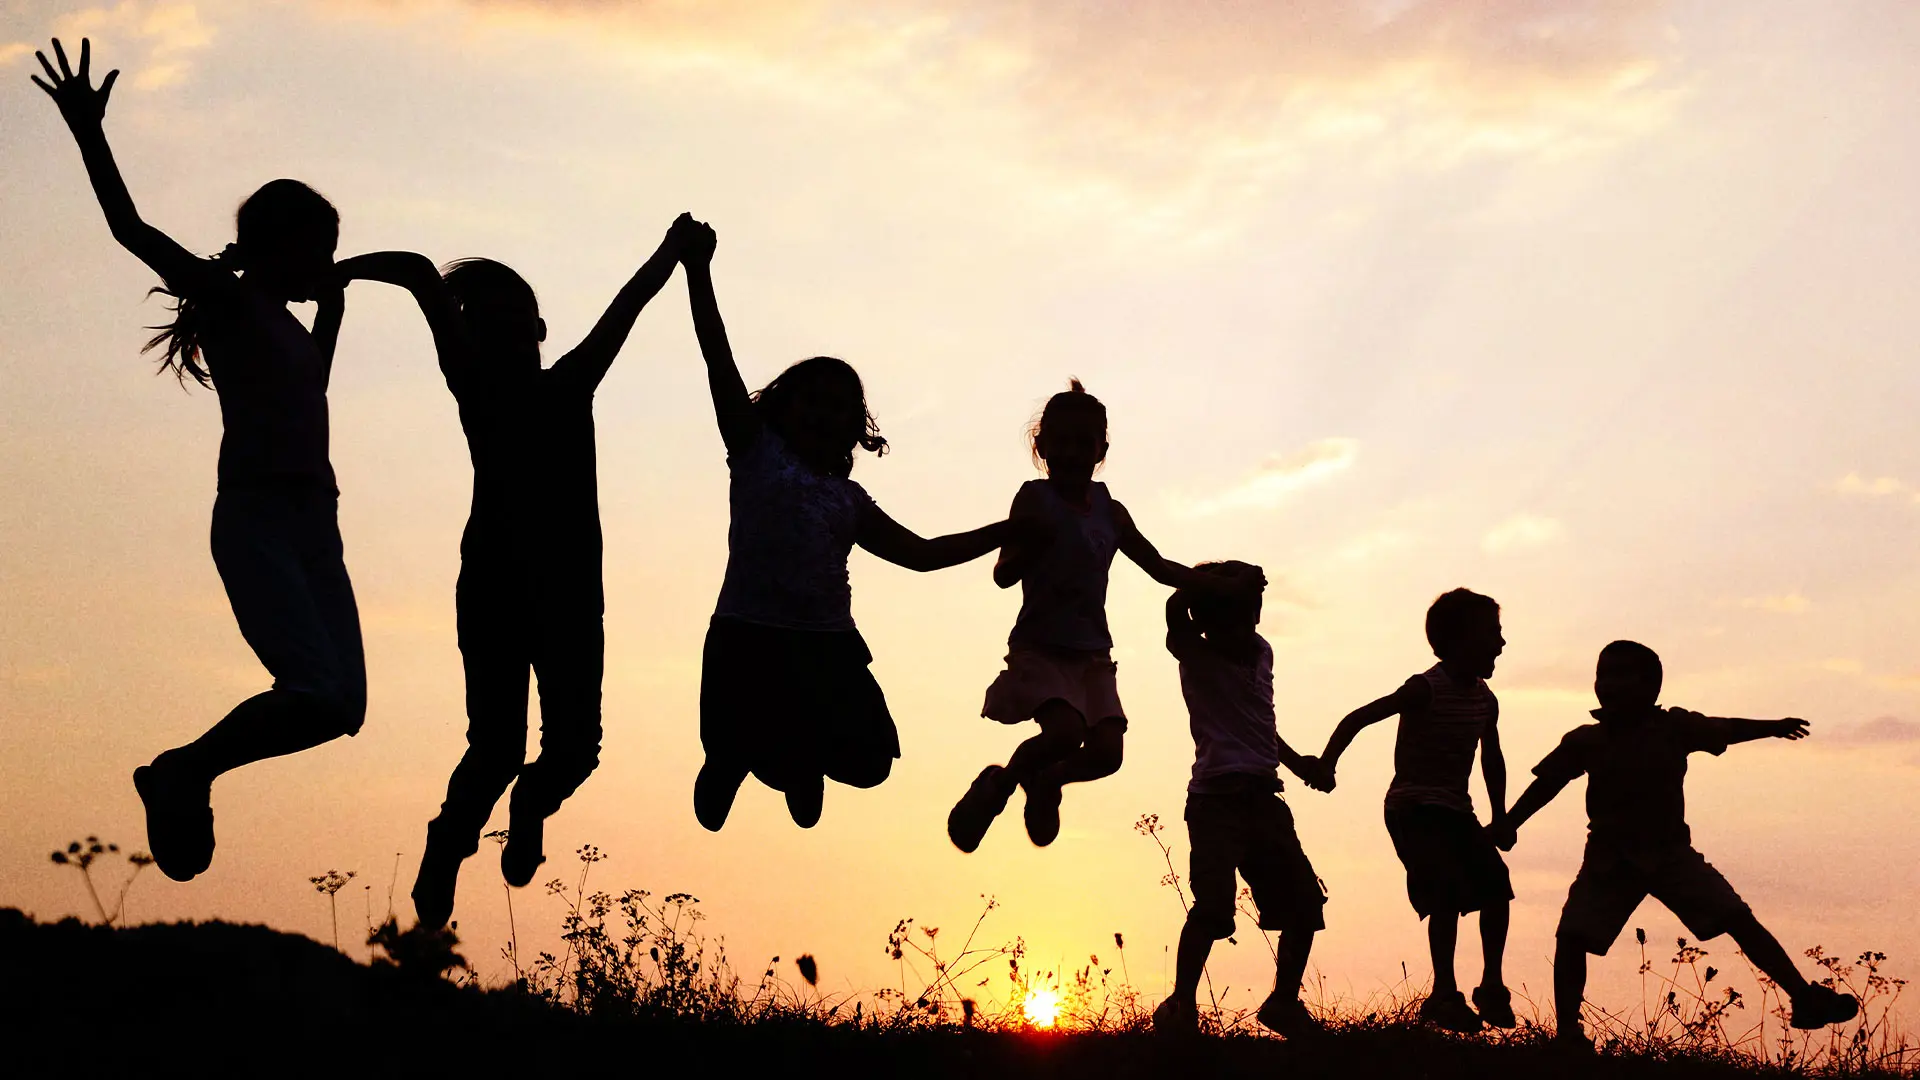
1183,638
1493,767
1028,537
1792,729
417,274
1176,575
1560,767
589,360
739,424
1414,694
332,299
901,546
84,108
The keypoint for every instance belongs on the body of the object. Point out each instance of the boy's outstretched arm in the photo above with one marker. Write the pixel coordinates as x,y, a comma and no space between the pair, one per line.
1791,728
1493,767
589,360
1178,575
416,273
901,546
85,108
1538,794
739,424
1412,695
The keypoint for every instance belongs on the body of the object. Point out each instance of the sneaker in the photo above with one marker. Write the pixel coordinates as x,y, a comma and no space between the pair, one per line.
804,799
523,853
1495,1005
1450,1012
1571,1041
179,817
1817,1006
433,886
1042,813
967,823
1287,1015
713,792
1176,1017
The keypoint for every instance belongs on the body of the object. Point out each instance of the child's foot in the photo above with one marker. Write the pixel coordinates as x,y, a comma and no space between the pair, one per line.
1449,1010
523,854
804,799
1288,1015
433,886
967,823
1817,1006
1495,1005
713,792
1571,1041
179,817
1176,1016
1042,812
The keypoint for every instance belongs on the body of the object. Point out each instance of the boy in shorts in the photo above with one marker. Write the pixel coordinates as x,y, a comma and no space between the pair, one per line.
1638,843
1446,714
1236,819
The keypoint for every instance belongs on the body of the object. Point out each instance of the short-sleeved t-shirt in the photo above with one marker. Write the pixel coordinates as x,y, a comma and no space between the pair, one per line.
1433,753
271,378
1063,595
1636,772
1230,706
788,542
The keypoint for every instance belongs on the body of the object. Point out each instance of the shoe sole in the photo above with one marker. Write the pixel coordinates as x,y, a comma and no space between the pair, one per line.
966,821
145,783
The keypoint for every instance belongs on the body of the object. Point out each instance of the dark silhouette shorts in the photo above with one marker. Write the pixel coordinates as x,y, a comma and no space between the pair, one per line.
1611,885
1452,866
1252,833
789,705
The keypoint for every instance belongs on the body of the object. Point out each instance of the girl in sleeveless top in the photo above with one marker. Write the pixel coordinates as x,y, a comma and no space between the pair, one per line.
276,537
1059,669
785,692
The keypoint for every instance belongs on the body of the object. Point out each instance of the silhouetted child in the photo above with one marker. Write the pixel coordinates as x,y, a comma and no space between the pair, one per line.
276,534
785,690
530,595
1446,714
1236,819
1638,843
1059,669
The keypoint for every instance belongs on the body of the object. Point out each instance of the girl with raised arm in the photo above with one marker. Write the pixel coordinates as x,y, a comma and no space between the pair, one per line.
1060,670
276,537
785,693
530,596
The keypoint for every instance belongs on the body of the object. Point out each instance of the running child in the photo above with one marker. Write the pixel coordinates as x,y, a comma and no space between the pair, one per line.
1060,670
1446,714
276,534
785,691
1638,843
530,596
1236,818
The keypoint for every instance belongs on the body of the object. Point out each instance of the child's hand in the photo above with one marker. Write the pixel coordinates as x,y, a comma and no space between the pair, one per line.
697,241
1503,835
80,104
1235,581
1792,728
1314,773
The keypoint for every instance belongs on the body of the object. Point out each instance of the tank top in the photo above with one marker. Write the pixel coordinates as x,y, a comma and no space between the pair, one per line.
271,379
1063,595
788,541
1433,755
1230,707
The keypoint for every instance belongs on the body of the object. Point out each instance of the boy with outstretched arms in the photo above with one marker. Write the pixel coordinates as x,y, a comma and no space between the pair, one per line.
1446,715
1638,843
1236,819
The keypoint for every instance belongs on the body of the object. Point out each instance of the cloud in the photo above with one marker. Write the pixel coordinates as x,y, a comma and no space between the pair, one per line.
1789,604
1879,731
1277,479
1856,486
1522,531
151,41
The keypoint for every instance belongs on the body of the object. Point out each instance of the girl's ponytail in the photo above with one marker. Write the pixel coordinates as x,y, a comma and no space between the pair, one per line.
182,336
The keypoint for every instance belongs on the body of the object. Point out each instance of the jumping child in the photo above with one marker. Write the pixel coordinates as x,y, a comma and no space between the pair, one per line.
1638,843
276,534
1060,670
529,596
785,691
1446,713
1236,818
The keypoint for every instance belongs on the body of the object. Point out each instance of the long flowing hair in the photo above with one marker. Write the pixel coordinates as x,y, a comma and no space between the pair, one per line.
271,220
772,400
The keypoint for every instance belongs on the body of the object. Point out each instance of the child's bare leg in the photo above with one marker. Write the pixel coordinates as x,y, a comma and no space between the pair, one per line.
1569,986
1062,730
1766,953
1196,943
1098,755
1493,943
1290,963
1443,931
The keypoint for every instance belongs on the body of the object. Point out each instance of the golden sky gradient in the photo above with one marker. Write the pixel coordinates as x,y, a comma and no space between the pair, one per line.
1604,309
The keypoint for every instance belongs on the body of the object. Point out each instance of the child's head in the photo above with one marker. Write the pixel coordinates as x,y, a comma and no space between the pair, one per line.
284,239
1070,438
1464,629
1627,678
285,235
1225,615
818,407
499,307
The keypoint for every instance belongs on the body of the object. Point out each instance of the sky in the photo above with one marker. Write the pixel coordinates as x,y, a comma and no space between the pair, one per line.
1598,308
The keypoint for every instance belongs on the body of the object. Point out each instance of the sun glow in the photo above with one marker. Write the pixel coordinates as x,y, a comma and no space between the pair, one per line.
1042,1007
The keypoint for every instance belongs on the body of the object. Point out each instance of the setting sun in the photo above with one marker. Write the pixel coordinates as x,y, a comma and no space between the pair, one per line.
1042,1007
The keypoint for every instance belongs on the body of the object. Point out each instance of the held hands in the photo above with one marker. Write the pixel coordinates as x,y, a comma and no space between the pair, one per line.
693,241
80,103
1792,729
1315,773
1503,834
